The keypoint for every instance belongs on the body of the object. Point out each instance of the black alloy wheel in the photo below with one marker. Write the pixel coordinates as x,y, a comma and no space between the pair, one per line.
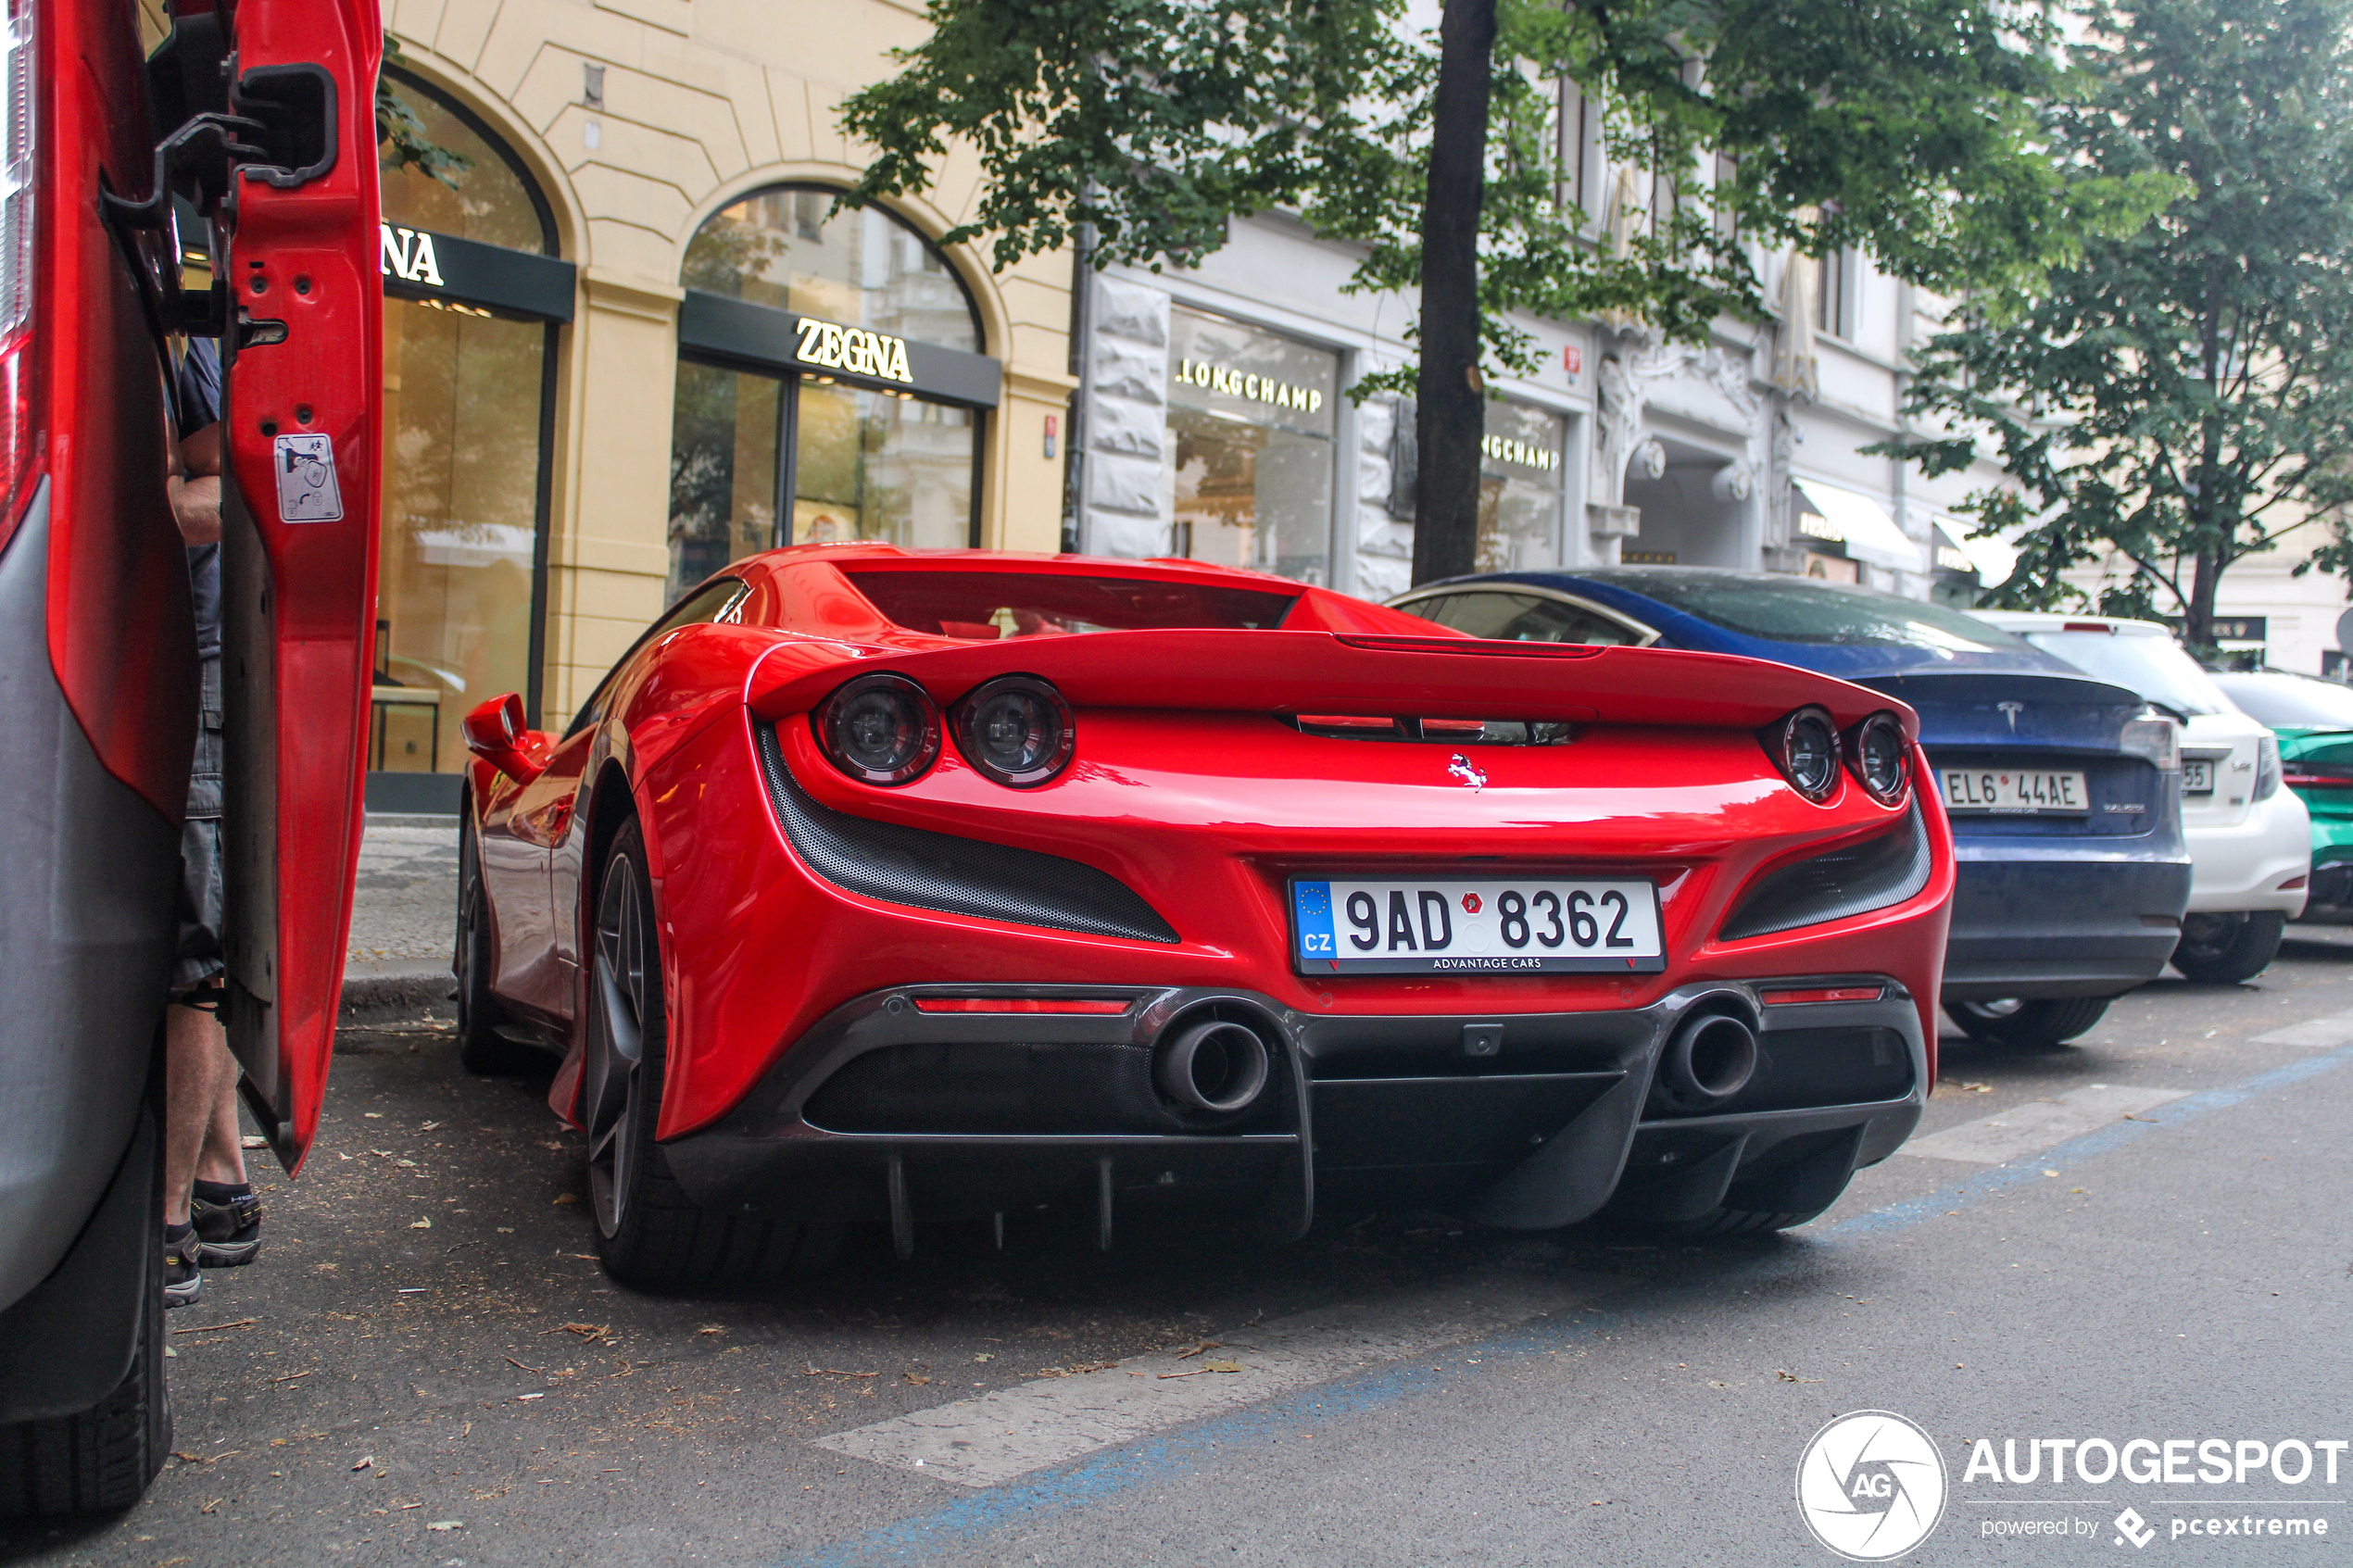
2021,1024
2226,949
648,1232
482,1049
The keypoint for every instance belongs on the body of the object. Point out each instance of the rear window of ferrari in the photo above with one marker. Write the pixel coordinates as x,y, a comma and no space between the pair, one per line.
992,606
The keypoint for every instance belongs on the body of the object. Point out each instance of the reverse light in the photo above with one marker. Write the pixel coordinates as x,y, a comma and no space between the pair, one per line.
2158,740
1804,746
1015,730
1098,1005
1824,994
1877,754
2267,767
878,729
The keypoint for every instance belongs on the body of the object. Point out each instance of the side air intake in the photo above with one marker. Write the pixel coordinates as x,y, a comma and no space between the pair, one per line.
959,876
1870,875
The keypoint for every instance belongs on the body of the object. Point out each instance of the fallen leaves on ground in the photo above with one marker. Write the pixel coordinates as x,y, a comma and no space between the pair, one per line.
563,1198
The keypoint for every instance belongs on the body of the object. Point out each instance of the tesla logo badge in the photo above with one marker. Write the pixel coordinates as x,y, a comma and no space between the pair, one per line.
1461,768
2011,710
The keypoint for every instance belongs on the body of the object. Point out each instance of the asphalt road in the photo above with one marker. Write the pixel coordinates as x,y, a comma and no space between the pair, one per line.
2144,1236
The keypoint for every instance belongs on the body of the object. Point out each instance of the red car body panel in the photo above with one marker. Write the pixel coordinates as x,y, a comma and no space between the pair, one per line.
1188,785
118,619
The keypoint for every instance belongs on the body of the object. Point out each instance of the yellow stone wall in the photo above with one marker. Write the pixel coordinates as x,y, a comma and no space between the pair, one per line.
704,100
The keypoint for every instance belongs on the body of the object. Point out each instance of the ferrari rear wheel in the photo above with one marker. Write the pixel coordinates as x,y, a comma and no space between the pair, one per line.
2044,1024
481,1048
2225,949
648,1232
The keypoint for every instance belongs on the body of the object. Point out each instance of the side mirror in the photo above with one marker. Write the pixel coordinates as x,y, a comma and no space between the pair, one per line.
494,733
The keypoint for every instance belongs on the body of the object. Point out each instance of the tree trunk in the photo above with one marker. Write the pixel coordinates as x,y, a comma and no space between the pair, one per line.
2197,616
1451,413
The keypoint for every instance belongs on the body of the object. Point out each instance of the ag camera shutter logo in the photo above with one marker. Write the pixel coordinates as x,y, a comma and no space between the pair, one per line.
1871,1485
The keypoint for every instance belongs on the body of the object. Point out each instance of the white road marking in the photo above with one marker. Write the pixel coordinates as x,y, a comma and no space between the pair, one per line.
2334,1030
2039,1124
995,1438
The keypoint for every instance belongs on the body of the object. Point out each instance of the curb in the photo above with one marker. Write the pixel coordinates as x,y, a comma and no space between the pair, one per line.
382,993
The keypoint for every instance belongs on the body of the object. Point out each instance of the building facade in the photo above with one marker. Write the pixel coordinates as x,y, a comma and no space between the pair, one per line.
631,339
1214,422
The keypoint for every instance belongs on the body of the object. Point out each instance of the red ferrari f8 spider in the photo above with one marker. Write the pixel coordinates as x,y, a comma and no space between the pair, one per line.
876,885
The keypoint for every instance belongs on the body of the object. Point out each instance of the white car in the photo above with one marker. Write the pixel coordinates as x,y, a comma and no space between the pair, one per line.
2250,840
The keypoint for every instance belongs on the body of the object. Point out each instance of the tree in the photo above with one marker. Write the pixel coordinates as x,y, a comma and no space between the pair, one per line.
1907,128
401,138
2182,394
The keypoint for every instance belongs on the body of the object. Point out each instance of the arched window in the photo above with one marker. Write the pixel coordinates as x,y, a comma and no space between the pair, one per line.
830,385
469,364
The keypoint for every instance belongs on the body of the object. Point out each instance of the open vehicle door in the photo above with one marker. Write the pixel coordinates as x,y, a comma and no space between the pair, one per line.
301,414
259,113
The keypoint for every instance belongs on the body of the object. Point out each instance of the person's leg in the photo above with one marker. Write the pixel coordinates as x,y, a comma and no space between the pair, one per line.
224,1159
223,1209
197,1072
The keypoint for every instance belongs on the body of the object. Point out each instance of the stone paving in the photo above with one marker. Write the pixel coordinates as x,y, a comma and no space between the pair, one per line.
404,910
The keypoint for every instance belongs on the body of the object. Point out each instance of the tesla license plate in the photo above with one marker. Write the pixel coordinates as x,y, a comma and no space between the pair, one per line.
2015,791
2198,776
1406,926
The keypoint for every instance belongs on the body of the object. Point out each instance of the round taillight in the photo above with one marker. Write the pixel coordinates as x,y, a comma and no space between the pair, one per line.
878,729
1804,746
1877,752
1016,730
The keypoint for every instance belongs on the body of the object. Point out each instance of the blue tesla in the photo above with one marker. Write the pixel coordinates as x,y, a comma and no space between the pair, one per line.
2064,792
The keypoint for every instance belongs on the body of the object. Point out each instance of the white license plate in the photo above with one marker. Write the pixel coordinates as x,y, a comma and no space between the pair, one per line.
2015,791
2198,776
1526,925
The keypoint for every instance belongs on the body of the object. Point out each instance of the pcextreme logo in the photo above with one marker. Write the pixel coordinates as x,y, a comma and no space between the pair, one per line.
1871,1485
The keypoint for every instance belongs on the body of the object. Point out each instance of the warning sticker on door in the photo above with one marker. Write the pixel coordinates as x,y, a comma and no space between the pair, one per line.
306,488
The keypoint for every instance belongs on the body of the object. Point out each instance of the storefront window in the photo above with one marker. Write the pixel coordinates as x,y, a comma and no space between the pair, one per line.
727,434
464,447
1249,465
1519,489
757,459
876,466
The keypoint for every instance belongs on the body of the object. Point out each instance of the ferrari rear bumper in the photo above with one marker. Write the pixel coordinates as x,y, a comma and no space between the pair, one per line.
929,1102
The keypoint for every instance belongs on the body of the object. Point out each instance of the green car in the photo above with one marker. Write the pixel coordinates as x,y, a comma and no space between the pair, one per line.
2314,721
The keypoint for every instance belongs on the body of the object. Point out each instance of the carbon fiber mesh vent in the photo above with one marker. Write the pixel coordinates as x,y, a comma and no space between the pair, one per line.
961,876
1870,875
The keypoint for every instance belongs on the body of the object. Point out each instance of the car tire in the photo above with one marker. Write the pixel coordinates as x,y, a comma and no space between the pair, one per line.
650,1233
2226,949
101,1459
481,1051
2044,1024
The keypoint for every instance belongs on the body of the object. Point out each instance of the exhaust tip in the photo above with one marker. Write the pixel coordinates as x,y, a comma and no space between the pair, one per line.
1710,1058
1214,1066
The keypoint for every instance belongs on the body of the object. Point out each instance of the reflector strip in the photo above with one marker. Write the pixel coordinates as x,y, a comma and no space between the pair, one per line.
1018,1004
1827,993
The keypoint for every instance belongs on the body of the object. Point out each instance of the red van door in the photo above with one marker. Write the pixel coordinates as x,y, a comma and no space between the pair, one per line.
301,412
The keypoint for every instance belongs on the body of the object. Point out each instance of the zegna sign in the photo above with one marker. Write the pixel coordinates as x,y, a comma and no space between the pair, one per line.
451,272
853,350
408,255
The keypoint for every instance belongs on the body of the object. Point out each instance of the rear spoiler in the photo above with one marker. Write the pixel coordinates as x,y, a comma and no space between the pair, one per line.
1290,672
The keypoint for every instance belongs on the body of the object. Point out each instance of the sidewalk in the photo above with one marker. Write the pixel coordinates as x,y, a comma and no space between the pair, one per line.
404,916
